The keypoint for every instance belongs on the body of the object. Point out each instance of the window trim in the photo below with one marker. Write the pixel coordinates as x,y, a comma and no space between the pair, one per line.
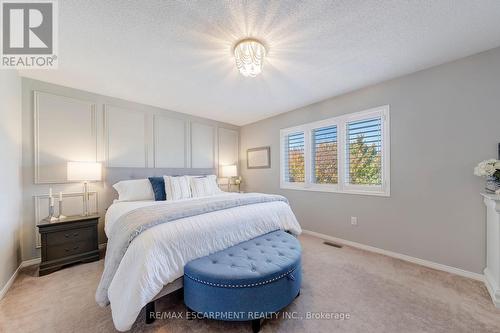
341,123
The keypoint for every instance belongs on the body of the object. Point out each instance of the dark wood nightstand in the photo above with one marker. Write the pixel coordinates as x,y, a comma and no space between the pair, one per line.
68,241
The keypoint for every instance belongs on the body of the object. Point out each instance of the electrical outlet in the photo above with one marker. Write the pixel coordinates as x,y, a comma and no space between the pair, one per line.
354,220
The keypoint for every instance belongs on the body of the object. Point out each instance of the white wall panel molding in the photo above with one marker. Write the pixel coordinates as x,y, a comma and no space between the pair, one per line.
72,205
61,124
127,141
171,148
203,150
228,146
64,129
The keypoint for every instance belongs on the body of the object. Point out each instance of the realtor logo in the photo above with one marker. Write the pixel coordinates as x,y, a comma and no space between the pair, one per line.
29,31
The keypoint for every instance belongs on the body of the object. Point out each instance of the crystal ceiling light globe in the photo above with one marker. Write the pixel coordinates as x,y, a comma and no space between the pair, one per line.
249,55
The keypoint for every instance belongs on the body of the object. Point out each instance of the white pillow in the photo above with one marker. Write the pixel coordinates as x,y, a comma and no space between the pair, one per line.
204,186
177,187
134,190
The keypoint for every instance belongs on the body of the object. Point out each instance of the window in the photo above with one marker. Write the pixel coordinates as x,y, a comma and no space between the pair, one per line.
324,152
364,152
294,158
347,154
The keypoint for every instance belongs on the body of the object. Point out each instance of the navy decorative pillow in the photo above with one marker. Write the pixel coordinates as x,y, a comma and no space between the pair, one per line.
158,184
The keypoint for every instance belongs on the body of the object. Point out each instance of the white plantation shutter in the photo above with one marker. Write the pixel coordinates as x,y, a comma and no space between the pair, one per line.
324,155
364,152
345,154
294,171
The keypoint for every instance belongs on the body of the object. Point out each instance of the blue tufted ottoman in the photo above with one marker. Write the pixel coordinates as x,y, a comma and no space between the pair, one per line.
248,281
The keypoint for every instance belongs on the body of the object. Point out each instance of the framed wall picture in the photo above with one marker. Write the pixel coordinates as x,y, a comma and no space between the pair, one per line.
259,158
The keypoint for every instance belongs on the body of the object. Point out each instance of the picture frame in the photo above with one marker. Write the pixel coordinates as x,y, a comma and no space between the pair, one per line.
259,158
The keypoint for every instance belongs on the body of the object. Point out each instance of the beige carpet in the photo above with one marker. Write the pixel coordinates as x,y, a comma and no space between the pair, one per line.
379,293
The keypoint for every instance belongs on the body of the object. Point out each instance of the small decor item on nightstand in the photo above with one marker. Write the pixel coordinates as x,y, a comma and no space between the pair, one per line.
237,181
61,216
51,217
491,170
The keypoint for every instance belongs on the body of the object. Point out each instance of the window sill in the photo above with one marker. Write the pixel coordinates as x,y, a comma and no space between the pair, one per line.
331,189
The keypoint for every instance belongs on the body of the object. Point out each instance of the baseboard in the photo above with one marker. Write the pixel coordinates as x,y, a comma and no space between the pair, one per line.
24,264
30,262
494,292
418,261
9,283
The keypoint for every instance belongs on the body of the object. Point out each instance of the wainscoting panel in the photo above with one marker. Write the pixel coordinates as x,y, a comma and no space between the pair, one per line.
170,135
63,124
228,146
72,205
126,139
64,130
202,145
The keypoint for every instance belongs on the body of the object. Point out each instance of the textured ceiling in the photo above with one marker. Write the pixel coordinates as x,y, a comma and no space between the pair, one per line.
177,54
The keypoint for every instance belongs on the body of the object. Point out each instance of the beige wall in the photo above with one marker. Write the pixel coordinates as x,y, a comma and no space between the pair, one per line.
443,121
76,125
10,174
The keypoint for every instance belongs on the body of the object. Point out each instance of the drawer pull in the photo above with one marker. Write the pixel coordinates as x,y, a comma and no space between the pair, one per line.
74,248
75,234
66,235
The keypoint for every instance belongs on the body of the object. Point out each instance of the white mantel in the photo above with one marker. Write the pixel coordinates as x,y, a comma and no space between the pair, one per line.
492,270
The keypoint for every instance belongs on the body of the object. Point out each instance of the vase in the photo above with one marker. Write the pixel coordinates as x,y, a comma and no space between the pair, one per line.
492,184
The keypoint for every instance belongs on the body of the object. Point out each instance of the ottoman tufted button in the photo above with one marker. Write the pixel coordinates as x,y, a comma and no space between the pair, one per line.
280,254
268,260
261,251
214,261
233,265
230,254
268,239
274,246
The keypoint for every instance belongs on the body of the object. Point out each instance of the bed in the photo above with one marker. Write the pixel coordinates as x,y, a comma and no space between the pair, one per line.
152,262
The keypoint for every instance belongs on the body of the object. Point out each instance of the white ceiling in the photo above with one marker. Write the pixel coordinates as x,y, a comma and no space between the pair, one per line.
177,55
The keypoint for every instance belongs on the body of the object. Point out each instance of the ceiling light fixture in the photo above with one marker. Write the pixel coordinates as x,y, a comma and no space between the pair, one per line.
249,55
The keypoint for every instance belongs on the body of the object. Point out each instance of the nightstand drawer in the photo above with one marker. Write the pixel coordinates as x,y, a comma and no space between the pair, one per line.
70,236
68,249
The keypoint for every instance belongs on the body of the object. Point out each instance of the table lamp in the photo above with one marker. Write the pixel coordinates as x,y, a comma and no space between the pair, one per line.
229,171
84,172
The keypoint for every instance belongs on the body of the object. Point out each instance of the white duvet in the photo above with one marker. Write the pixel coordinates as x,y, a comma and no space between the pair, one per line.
157,256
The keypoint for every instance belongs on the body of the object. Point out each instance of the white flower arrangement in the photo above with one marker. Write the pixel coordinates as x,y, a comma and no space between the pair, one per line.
491,169
487,168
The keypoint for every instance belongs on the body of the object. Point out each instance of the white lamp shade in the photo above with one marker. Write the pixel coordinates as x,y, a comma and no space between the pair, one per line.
229,171
84,171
